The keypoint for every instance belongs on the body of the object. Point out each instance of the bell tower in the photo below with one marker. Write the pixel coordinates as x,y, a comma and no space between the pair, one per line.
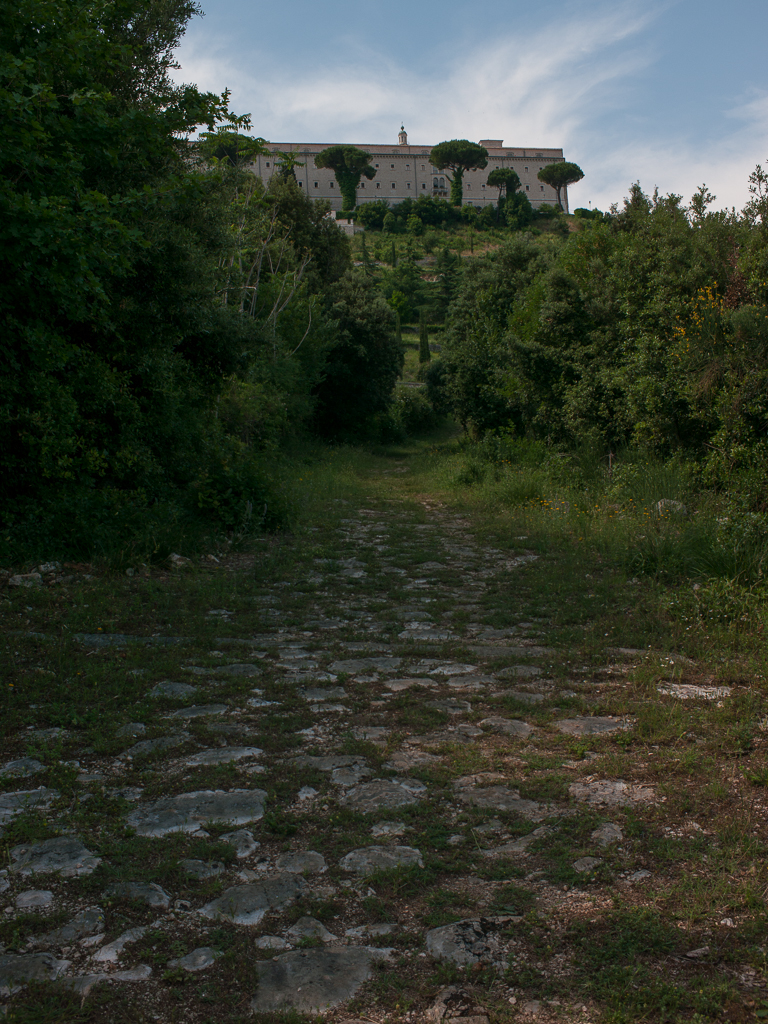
402,138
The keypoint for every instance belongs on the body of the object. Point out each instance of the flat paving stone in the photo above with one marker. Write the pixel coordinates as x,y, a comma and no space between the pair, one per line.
526,697
380,858
65,856
371,733
222,755
240,671
22,768
508,726
149,893
146,747
12,804
501,798
383,794
306,862
354,665
591,726
34,898
464,943
187,812
87,923
316,693
350,776
170,689
198,711
606,793
18,970
197,960
687,691
450,707
312,980
271,942
389,828
519,672
247,904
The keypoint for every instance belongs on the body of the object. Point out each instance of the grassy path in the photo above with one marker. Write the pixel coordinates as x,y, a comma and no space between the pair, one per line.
413,762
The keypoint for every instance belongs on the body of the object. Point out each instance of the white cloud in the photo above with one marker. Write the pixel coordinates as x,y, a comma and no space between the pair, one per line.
569,84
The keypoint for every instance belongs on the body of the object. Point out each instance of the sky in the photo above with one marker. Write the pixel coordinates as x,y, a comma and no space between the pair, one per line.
673,94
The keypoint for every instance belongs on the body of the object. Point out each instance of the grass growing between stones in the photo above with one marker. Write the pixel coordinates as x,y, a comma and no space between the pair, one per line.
621,870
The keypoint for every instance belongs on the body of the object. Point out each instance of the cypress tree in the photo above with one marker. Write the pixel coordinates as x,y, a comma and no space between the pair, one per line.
424,353
393,255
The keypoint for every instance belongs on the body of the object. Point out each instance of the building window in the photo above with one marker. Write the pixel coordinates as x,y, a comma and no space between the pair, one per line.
422,167
408,185
541,187
331,185
393,185
317,184
482,186
423,185
376,165
468,185
527,188
301,184
407,167
361,185
392,166
378,184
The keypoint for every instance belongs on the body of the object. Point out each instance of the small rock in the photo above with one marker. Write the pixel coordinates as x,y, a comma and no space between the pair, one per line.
380,858
591,726
586,864
148,893
302,863
29,579
306,793
463,943
131,731
197,960
389,828
606,793
110,953
86,924
668,505
247,904
202,869
271,942
639,876
243,842
179,561
369,931
309,928
608,834
146,747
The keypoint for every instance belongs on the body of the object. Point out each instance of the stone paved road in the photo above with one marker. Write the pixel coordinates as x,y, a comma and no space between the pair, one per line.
369,796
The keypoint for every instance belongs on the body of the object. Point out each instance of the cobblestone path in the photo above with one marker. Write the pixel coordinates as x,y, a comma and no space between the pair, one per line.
371,786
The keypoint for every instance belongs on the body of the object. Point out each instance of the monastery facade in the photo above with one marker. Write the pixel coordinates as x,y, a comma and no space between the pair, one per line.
404,172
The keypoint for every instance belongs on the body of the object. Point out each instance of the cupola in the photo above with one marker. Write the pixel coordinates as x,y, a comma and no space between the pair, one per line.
402,138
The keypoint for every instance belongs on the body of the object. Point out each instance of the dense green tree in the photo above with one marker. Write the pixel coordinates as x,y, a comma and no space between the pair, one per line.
349,164
560,175
364,361
458,156
424,354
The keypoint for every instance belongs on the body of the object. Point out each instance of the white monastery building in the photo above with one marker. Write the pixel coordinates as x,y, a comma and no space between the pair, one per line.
404,172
